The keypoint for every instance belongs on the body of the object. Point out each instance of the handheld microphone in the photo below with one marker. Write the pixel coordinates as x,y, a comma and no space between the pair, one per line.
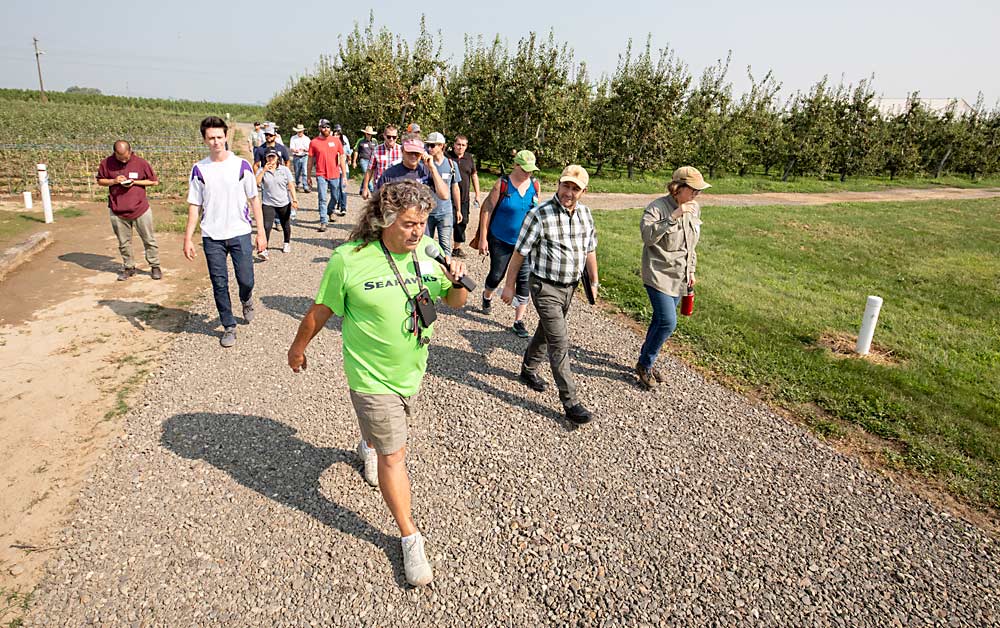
432,251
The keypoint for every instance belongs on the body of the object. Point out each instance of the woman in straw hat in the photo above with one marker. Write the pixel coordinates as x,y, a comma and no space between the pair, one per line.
670,228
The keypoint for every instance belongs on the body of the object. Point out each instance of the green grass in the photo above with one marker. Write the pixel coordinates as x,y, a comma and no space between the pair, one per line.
656,183
14,607
13,224
773,280
171,217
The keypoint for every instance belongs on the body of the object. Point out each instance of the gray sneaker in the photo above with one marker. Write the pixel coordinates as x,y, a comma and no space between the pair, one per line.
228,337
370,459
415,566
248,310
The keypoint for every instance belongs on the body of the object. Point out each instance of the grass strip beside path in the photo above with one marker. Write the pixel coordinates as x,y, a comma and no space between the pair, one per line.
777,283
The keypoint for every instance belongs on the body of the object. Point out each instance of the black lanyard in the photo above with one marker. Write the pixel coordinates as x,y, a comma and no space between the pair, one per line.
417,330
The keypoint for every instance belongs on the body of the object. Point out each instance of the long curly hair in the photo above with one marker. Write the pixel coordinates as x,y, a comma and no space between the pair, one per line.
385,206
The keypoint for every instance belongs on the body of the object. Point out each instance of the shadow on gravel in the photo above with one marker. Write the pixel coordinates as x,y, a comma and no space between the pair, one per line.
461,367
168,319
585,361
266,456
296,307
324,243
91,261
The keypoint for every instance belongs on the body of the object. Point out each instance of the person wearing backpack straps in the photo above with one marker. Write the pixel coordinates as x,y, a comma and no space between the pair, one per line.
442,219
500,218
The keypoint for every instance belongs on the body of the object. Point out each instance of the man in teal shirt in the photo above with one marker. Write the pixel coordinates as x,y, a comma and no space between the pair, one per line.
371,282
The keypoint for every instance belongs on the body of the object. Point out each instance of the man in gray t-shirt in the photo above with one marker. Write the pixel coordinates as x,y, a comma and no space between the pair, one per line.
443,216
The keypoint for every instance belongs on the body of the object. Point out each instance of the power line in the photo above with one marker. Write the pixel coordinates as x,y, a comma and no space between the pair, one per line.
38,62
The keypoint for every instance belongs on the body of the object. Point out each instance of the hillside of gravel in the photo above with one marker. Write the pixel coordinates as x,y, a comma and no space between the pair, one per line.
235,496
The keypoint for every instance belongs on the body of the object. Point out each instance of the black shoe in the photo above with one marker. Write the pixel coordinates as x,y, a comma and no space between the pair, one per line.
487,305
126,273
519,329
458,253
532,381
156,273
578,414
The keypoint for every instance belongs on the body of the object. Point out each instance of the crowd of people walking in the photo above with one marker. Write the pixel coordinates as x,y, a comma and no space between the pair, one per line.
404,253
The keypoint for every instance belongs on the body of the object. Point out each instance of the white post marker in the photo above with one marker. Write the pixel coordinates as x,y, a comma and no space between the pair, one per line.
27,200
868,322
43,184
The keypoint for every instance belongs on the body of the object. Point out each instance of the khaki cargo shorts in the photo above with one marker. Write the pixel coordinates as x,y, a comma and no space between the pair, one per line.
382,419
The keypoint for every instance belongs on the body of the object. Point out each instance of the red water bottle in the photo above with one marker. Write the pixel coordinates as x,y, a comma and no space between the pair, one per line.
687,302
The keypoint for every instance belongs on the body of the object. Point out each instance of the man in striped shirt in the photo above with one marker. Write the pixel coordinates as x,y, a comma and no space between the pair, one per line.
560,243
386,154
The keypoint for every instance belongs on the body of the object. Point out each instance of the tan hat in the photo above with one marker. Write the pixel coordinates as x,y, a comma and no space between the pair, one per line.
298,127
576,174
369,130
691,177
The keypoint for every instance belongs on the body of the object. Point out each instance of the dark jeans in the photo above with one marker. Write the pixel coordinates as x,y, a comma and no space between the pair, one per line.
552,303
500,254
284,214
240,249
460,226
661,327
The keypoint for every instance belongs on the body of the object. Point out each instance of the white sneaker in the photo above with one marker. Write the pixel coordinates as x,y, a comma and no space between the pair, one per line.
265,254
287,248
370,458
415,566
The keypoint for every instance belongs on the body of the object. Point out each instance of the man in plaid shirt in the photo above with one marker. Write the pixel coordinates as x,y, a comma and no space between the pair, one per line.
560,243
386,154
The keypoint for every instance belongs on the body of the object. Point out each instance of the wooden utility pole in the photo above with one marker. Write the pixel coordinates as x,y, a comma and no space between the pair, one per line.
38,62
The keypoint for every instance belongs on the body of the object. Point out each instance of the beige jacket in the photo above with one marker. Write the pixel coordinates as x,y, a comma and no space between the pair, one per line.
668,256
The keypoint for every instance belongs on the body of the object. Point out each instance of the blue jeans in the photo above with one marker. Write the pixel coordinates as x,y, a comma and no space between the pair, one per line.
329,195
365,165
663,324
301,176
444,225
342,200
240,249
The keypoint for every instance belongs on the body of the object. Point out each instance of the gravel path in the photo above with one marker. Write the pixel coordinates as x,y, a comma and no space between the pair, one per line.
234,497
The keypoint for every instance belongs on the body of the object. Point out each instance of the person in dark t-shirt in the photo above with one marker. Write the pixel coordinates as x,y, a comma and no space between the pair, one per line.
126,175
416,165
467,167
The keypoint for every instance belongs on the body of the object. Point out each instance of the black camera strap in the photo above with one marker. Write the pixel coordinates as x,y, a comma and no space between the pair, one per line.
417,329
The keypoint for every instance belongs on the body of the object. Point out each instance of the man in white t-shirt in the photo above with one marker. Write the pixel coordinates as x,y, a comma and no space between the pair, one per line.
222,190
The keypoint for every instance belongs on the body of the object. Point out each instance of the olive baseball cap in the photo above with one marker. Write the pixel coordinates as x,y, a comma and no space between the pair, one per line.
691,177
526,159
575,174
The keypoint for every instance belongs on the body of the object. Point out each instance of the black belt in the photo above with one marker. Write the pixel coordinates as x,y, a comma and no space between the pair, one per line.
558,284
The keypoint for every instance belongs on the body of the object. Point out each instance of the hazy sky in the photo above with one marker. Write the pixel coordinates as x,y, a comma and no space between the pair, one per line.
246,51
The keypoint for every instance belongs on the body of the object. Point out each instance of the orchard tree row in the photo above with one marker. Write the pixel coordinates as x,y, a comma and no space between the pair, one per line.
650,115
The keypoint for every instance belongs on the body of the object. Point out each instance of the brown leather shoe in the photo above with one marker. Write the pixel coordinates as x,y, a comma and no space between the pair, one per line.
126,273
646,379
156,273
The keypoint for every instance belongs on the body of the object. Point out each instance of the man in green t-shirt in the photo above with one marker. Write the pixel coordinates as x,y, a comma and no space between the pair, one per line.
372,281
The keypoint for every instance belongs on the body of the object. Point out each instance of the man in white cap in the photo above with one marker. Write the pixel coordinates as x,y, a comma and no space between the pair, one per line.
271,142
559,240
299,144
442,219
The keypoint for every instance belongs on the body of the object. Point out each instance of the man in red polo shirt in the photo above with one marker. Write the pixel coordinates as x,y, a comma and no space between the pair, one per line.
326,152
126,175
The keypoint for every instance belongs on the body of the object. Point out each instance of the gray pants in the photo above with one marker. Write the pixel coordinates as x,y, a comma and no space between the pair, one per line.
144,225
552,303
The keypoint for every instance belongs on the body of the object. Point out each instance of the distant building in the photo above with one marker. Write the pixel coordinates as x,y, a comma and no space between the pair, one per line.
939,106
